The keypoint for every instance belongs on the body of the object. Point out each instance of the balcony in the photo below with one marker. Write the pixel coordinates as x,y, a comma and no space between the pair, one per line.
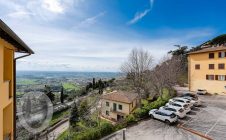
116,111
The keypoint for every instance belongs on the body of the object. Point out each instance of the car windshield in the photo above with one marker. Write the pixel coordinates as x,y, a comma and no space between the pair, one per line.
179,101
181,110
195,98
170,109
185,106
172,115
176,105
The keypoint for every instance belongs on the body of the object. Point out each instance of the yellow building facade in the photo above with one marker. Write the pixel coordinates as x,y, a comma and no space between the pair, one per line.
9,44
207,70
117,105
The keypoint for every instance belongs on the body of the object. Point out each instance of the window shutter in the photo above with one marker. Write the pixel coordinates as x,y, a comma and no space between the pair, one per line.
206,77
225,77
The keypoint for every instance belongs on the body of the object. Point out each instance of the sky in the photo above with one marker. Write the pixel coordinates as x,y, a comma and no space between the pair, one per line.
98,35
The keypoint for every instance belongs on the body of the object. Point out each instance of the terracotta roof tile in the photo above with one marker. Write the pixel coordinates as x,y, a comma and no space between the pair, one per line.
212,49
121,96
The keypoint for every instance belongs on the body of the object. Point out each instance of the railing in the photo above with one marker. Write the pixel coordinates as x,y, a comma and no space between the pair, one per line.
118,135
113,109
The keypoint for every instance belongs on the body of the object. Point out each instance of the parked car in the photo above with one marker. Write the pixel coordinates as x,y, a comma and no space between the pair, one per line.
193,99
189,94
182,100
201,92
163,115
178,111
179,105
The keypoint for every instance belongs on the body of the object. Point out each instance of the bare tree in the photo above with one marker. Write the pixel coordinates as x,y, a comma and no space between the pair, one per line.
165,75
138,64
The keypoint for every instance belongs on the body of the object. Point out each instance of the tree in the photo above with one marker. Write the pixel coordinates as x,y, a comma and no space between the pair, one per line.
94,83
88,86
74,117
138,64
182,52
165,75
83,108
49,93
100,86
62,95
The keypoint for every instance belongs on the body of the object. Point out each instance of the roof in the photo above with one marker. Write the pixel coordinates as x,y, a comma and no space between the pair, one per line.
212,49
7,34
121,96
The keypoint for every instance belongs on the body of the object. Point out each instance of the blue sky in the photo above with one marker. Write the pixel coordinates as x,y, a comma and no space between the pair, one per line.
97,35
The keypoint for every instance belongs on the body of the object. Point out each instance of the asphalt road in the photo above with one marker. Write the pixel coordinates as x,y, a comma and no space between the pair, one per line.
157,130
210,120
59,130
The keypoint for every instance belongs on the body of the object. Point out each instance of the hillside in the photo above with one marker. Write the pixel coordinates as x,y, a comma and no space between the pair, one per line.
219,40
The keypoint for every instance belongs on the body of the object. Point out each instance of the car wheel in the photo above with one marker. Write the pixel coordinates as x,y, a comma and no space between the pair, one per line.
152,116
167,121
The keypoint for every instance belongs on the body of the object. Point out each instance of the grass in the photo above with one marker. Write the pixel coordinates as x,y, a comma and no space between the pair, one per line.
71,86
59,116
26,82
63,135
19,93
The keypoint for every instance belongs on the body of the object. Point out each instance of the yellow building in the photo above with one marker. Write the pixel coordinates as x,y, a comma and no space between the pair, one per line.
118,104
206,70
9,44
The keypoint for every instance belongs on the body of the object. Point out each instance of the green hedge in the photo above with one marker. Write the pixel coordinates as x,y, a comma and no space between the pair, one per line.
142,112
107,128
90,134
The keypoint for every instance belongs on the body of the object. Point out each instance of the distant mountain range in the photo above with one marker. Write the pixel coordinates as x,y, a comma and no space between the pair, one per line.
65,74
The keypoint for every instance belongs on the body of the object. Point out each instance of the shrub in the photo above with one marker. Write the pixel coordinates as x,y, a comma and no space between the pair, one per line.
130,119
140,113
91,133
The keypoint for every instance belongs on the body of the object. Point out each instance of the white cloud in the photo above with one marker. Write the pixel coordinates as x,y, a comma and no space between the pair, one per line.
53,5
91,20
79,50
20,14
61,47
37,9
139,15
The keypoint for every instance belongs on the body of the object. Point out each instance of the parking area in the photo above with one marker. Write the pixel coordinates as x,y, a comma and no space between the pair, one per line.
209,119
157,130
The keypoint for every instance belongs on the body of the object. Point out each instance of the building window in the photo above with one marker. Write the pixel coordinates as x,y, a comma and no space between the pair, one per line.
197,66
216,77
211,66
211,55
221,77
221,66
107,113
209,77
107,103
221,54
120,107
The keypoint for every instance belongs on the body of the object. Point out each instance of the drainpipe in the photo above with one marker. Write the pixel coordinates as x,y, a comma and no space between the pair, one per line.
14,93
